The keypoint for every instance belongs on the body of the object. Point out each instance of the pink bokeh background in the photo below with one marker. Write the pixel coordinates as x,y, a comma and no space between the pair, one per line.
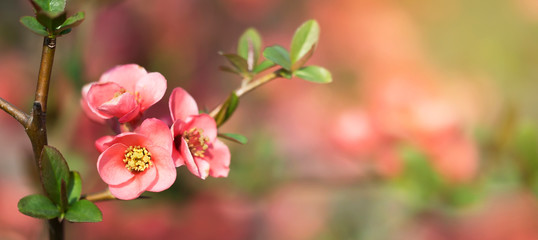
427,132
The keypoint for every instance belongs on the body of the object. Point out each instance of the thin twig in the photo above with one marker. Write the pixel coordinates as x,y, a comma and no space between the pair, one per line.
100,196
249,87
19,115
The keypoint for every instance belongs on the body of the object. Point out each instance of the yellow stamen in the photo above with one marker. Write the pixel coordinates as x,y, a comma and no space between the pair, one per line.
196,141
137,159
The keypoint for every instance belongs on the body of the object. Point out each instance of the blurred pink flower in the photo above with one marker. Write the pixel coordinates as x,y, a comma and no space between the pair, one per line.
195,138
355,133
136,162
124,92
409,108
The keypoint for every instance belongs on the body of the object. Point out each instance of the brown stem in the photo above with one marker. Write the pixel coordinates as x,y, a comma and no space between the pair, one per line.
47,57
56,229
37,127
37,130
249,87
19,115
100,196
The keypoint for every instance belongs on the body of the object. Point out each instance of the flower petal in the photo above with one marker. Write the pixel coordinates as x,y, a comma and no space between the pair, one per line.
181,104
125,76
157,132
99,93
95,116
219,158
177,131
187,158
111,167
166,171
205,122
119,106
134,188
203,167
176,157
103,143
132,115
131,139
150,89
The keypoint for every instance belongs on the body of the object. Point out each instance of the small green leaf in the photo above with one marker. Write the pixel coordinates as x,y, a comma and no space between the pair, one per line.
63,196
72,21
305,39
249,47
51,22
84,211
237,61
299,63
228,69
314,74
234,137
278,55
266,64
54,170
34,26
228,108
51,6
38,206
66,31
74,187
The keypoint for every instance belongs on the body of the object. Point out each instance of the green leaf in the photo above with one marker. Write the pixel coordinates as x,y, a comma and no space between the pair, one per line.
51,22
228,108
278,55
38,206
74,187
266,64
234,137
63,196
51,6
54,170
299,63
72,21
249,47
66,31
314,74
34,26
419,179
84,211
229,69
305,39
237,61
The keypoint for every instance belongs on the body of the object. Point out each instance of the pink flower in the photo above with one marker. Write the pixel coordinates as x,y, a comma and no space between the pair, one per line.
138,161
195,138
124,92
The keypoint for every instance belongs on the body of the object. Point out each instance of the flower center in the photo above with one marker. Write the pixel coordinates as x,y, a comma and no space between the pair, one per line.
196,141
120,92
137,159
123,90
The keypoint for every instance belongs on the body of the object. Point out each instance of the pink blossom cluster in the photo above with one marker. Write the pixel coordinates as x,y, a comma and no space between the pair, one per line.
399,113
144,154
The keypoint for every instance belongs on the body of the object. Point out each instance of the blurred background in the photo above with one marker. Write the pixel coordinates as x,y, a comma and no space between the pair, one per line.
429,130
